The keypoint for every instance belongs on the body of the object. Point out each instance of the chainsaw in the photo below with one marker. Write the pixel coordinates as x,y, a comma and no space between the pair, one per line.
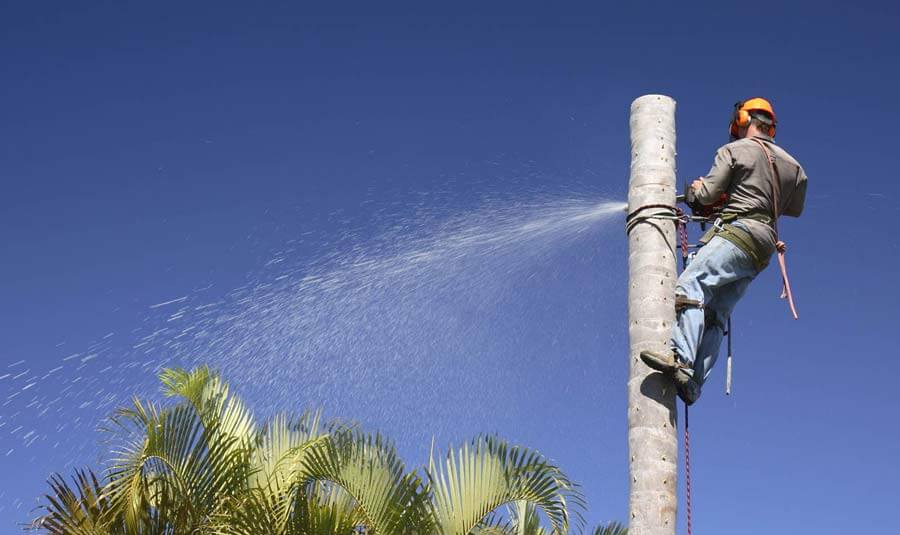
702,211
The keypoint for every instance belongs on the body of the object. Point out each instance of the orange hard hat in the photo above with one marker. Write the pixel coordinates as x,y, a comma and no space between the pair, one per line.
742,110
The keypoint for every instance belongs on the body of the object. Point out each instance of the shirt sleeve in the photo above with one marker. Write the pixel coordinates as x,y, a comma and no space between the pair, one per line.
716,182
794,206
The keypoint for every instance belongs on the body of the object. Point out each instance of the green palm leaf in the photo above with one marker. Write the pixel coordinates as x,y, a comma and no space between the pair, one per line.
280,446
487,474
202,467
82,510
181,462
273,502
328,510
210,397
613,528
525,519
367,467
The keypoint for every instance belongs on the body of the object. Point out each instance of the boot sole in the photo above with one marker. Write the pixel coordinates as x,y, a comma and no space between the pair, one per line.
666,366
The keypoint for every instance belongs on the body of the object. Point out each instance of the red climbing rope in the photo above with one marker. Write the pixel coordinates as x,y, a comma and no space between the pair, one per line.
780,246
681,224
687,471
786,289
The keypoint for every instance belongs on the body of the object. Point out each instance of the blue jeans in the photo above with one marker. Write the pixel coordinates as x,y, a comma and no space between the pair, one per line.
717,277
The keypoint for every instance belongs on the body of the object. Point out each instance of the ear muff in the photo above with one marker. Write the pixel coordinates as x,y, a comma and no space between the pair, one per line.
739,119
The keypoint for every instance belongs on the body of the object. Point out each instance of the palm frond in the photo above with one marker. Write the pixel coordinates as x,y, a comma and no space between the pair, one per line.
525,519
367,467
210,397
180,462
80,509
280,445
327,510
202,466
254,511
488,473
613,528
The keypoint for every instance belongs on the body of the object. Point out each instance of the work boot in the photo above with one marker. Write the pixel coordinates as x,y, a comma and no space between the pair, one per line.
688,387
668,363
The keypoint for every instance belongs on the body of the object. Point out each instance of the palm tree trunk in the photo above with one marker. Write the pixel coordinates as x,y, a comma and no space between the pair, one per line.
652,441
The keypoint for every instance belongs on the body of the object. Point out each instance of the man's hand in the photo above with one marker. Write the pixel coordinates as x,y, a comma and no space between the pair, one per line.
698,207
781,247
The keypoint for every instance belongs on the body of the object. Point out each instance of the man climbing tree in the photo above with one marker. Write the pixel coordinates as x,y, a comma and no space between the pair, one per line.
752,182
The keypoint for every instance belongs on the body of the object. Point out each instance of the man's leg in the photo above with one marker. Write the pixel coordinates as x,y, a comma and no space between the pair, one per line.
688,328
716,320
716,265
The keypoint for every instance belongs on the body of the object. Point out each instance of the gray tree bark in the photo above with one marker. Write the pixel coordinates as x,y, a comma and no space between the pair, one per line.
652,439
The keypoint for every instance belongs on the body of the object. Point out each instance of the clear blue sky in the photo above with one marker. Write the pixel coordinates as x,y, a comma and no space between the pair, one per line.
149,149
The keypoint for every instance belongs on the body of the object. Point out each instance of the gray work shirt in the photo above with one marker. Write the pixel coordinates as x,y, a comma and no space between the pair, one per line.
741,170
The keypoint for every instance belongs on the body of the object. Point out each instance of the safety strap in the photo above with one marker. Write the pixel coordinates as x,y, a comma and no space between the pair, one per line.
780,246
682,303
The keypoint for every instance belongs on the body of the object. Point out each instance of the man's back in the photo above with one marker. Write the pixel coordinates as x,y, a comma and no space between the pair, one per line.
741,169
